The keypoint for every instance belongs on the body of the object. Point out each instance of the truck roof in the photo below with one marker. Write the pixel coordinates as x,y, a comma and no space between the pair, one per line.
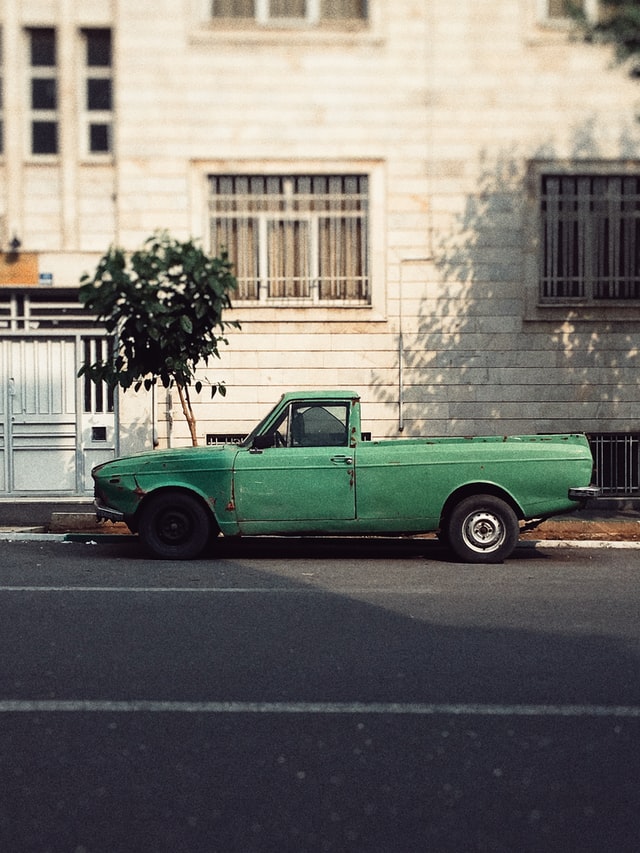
333,394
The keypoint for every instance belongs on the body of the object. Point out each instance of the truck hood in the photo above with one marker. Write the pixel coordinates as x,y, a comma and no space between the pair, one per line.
156,461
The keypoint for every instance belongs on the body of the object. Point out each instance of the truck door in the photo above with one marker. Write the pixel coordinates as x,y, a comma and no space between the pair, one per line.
305,470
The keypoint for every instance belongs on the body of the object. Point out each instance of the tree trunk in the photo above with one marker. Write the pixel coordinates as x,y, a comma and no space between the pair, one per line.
188,412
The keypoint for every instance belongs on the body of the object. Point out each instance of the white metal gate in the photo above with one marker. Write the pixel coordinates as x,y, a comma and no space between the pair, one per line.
53,426
41,416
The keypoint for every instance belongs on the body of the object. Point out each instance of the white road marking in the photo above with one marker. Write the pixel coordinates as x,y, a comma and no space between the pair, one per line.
41,706
249,590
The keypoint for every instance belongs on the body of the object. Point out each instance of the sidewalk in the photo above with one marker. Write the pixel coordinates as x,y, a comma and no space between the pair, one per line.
590,525
54,519
60,517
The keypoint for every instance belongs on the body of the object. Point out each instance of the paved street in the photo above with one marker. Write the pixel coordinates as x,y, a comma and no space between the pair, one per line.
303,696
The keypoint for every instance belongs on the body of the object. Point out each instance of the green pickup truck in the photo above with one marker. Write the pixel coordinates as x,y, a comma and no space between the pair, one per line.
305,470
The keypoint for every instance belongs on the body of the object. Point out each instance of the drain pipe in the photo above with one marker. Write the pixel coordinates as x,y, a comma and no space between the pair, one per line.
400,382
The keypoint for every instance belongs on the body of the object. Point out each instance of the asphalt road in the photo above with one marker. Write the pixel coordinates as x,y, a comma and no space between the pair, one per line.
318,696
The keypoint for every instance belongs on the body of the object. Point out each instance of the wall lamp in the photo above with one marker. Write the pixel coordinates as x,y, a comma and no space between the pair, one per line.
14,248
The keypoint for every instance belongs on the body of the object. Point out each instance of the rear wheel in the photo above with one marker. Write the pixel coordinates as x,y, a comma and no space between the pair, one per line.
482,529
174,526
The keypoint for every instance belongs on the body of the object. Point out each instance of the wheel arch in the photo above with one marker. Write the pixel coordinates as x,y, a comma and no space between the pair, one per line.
471,489
132,521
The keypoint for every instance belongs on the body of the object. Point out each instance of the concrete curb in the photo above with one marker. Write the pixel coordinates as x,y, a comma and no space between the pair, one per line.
92,538
33,536
602,544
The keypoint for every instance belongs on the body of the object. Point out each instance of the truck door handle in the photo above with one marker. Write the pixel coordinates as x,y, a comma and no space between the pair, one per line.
345,460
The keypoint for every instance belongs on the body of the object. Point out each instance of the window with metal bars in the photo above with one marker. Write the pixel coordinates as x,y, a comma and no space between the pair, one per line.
280,11
590,238
297,238
616,458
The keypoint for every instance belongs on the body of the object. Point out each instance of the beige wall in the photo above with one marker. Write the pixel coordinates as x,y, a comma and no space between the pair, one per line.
444,104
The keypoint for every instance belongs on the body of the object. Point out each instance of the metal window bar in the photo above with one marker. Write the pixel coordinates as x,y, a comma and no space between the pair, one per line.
300,237
590,230
616,459
43,310
98,396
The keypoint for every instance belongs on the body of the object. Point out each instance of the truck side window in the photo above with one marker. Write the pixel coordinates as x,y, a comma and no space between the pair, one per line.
319,425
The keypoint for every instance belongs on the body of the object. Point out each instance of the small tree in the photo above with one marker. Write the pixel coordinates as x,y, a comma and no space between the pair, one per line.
164,306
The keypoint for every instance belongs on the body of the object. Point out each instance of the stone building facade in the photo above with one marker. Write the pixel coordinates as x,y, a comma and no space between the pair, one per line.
434,204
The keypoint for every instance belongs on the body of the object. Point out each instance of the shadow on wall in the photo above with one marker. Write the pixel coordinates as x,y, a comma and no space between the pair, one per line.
471,361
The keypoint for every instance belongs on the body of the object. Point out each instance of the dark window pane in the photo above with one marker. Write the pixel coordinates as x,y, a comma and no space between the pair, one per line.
99,138
43,47
232,9
98,48
43,94
563,8
44,137
343,9
98,94
287,9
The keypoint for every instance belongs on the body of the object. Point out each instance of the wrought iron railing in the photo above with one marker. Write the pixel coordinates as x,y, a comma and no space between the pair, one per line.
616,459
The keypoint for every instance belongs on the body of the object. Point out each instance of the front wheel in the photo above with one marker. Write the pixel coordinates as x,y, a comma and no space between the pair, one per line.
482,529
174,526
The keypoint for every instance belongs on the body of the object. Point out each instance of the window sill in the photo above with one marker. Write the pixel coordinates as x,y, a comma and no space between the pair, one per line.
106,159
587,312
42,159
309,313
302,33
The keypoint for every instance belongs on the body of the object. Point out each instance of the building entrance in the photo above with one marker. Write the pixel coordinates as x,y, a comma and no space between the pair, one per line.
53,426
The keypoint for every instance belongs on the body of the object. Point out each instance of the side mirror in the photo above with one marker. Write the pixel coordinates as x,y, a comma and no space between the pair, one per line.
267,439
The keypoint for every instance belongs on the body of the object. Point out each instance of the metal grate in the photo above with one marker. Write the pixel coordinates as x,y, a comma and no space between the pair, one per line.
296,238
590,237
44,309
616,458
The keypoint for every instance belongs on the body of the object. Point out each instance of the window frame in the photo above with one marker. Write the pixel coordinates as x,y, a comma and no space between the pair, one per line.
311,17
263,214
296,413
590,9
537,305
209,31
94,117
43,73
339,311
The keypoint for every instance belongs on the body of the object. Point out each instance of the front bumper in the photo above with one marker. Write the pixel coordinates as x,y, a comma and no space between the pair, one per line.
585,493
108,514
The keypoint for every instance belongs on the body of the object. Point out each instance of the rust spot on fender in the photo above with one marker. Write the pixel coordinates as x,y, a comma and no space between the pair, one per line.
139,491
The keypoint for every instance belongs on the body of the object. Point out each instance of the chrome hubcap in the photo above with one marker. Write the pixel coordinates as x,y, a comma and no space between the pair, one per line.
483,531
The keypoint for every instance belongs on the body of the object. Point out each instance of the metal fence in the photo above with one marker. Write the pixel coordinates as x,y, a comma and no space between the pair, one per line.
616,458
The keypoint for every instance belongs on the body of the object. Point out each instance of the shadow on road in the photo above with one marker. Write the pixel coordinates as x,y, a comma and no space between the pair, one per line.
314,621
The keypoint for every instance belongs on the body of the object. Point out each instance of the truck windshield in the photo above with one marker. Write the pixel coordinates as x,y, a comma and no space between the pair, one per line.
248,442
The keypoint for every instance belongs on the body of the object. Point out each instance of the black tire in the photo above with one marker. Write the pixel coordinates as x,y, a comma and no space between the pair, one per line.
482,529
174,526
